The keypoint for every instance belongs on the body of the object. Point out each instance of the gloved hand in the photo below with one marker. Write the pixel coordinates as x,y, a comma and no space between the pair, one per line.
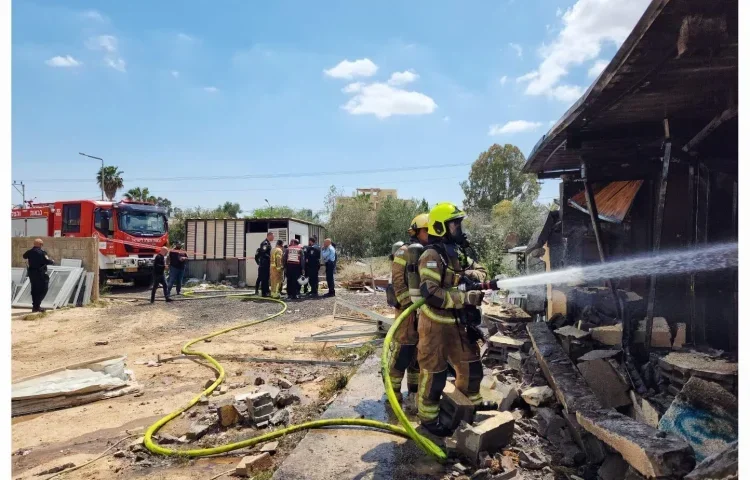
474,297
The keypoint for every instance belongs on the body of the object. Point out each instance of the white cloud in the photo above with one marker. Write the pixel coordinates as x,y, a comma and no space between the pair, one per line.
184,37
402,78
566,93
503,79
527,77
587,26
383,100
94,15
518,48
109,45
597,68
175,73
515,126
347,70
64,62
211,89
353,87
559,12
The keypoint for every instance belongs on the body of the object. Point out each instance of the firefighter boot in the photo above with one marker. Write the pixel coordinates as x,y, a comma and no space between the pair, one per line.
436,428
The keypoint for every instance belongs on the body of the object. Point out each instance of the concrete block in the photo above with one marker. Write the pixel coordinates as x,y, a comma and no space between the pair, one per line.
286,398
493,390
502,341
548,422
197,430
262,422
270,447
723,465
515,360
537,396
280,418
705,415
605,383
661,336
455,407
272,391
565,380
652,453
260,411
608,335
251,464
488,436
258,398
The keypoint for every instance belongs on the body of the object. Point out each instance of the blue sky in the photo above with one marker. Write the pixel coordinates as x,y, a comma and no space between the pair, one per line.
199,89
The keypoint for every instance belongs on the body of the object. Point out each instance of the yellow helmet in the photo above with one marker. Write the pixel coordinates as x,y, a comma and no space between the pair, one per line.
439,215
420,221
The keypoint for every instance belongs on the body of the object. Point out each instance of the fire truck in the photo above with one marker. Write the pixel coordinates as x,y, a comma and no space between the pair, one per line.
129,233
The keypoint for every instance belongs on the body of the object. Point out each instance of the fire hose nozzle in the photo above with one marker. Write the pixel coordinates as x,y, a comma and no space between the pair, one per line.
471,286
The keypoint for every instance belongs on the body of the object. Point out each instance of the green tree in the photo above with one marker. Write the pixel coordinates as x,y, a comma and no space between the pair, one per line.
284,211
424,207
392,220
109,179
139,194
164,203
352,226
232,210
178,217
496,176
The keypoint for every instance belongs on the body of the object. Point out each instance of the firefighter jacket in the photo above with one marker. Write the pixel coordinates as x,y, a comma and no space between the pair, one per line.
440,272
398,277
276,258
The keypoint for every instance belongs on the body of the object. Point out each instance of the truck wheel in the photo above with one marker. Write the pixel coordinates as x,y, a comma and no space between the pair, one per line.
102,278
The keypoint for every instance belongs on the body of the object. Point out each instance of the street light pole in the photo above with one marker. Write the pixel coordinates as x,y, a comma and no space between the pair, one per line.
101,172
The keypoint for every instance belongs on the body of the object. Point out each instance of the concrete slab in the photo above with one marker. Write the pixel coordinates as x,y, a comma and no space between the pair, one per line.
352,452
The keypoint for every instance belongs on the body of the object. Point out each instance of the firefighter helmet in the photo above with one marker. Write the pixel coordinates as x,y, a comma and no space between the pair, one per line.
440,215
420,221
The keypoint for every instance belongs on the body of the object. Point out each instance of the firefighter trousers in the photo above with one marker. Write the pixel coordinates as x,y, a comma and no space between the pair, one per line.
441,345
277,276
404,354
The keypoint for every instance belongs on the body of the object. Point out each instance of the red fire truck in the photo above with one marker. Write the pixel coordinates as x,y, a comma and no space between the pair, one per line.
129,233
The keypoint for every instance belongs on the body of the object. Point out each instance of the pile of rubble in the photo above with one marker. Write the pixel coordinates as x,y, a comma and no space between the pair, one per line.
569,408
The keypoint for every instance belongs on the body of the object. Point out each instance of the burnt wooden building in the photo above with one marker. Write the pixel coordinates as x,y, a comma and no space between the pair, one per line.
648,162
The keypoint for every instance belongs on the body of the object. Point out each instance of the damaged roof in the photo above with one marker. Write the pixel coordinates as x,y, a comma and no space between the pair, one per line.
680,62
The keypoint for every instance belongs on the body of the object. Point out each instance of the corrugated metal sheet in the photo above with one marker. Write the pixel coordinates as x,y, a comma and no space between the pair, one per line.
239,238
190,238
613,200
210,238
200,239
220,238
230,246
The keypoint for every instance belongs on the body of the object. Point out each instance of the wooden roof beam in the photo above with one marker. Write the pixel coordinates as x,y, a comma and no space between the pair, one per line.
720,119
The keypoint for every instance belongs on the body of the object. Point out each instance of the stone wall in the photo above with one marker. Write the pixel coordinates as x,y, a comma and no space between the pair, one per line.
86,249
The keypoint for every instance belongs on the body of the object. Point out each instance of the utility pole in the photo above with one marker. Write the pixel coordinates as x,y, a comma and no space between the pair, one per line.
101,172
22,191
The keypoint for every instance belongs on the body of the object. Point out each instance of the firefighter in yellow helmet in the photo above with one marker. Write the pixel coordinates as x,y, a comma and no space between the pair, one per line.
404,344
443,325
277,269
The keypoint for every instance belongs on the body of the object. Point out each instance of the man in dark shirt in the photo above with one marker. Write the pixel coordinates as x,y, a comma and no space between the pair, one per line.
264,264
38,278
312,265
177,262
159,279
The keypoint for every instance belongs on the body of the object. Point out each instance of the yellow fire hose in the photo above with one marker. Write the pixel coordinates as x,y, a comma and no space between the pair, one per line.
405,430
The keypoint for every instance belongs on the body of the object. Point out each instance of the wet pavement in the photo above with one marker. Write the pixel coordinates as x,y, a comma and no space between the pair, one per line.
355,452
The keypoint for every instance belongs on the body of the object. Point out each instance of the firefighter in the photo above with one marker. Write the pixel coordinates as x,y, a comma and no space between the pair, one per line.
294,258
37,271
264,263
277,269
312,265
404,343
445,336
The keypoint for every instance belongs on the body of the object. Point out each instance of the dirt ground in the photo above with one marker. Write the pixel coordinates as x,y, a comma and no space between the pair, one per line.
143,332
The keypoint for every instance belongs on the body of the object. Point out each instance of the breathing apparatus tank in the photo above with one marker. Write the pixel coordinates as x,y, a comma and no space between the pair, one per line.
413,252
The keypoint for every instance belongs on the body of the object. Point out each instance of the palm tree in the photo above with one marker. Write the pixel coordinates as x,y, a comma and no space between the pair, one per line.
139,194
109,179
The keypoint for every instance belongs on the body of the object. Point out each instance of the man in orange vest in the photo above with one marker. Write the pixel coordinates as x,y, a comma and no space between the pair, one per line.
294,258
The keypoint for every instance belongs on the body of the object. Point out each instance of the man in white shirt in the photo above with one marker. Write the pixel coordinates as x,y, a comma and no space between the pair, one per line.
328,257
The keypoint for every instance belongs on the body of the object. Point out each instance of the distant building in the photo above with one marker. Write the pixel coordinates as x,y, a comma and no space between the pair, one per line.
375,196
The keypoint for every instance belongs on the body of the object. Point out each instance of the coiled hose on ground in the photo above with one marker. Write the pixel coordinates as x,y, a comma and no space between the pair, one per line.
405,430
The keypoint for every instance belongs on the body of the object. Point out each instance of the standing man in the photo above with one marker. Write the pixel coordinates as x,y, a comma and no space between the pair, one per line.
37,270
277,269
404,344
159,279
264,265
444,338
294,258
312,265
328,255
177,262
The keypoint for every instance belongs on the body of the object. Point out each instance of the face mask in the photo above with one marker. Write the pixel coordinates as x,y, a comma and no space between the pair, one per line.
456,233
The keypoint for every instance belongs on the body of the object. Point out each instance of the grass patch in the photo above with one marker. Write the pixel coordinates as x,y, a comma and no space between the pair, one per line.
345,354
97,304
264,475
335,383
105,289
35,316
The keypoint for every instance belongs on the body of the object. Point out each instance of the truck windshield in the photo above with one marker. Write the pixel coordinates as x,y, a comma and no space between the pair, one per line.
142,223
